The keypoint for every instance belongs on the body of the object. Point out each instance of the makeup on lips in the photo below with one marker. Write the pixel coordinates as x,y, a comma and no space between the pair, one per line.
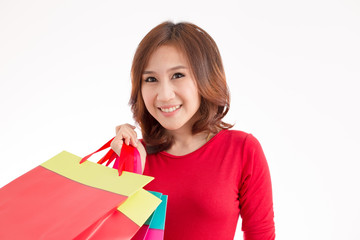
169,110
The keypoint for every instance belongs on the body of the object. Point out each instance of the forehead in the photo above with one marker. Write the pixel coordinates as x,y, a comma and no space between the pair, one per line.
166,56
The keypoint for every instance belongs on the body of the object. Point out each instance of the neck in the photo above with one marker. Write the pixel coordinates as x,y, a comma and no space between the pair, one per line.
186,142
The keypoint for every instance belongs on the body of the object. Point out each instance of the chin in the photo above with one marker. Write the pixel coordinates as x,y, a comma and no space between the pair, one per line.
172,127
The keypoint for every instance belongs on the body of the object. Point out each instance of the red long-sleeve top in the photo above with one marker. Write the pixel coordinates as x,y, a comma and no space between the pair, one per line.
209,188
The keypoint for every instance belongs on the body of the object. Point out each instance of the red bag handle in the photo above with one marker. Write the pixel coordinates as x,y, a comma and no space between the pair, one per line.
128,160
105,146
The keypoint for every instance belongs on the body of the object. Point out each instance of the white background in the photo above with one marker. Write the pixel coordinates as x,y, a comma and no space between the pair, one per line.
293,68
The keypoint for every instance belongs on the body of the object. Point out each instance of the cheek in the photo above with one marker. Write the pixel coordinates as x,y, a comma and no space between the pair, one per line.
192,94
196,100
147,97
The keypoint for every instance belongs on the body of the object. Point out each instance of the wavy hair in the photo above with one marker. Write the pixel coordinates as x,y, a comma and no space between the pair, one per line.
206,65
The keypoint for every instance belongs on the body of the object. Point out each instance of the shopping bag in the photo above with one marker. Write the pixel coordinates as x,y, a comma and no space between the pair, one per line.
61,198
125,221
134,212
153,229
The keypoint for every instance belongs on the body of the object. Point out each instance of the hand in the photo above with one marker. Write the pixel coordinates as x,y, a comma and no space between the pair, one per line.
126,134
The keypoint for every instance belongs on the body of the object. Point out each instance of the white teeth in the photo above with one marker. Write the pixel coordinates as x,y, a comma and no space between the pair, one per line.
170,109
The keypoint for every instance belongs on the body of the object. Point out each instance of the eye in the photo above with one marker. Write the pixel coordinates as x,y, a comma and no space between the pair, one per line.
178,75
150,79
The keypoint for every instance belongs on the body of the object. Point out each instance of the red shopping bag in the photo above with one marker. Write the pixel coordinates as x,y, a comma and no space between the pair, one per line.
61,198
125,222
134,212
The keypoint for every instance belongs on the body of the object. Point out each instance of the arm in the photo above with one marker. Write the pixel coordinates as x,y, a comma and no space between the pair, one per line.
256,204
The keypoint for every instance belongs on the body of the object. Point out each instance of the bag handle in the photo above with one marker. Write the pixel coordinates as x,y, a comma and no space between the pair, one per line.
129,159
105,146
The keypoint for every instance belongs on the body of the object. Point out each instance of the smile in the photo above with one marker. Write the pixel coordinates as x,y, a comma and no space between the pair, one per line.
168,110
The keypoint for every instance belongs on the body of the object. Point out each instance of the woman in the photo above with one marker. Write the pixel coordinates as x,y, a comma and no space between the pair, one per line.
210,173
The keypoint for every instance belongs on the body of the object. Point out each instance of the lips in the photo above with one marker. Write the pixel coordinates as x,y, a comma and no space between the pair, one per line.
169,109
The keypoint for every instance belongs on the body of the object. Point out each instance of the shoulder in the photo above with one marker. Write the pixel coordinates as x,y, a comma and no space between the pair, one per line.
239,141
237,136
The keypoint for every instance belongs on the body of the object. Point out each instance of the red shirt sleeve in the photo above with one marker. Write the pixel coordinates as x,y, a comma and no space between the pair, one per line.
255,195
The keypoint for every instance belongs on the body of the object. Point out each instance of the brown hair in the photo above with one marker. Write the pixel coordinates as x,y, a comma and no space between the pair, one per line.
206,65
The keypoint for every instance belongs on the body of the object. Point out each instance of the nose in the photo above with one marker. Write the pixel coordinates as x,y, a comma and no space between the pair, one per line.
165,92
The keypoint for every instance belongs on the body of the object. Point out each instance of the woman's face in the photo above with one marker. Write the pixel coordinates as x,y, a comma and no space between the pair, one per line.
169,89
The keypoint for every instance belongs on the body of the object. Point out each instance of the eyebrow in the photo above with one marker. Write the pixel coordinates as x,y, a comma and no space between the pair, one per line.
171,69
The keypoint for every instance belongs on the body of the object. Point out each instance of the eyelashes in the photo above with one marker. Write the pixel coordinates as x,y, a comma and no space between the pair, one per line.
150,79
178,75
174,76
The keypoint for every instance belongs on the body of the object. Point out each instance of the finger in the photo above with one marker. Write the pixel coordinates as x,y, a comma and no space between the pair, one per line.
116,145
127,140
134,142
130,137
127,134
131,126
123,127
124,131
